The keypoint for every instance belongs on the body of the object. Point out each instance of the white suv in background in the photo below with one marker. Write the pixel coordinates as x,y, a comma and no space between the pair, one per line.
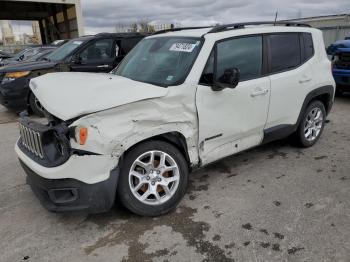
180,100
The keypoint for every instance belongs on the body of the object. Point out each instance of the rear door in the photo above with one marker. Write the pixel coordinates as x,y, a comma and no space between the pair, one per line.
97,56
290,66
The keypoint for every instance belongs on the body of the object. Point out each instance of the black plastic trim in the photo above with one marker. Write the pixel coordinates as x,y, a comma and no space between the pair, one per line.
90,198
283,131
278,132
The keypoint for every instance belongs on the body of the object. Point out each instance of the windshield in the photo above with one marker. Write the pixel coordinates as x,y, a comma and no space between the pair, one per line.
20,54
63,51
41,55
162,61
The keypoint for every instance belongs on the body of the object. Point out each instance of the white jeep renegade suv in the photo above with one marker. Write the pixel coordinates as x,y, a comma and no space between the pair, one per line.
180,100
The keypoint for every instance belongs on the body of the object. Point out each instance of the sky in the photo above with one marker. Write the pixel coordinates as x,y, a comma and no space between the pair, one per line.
103,15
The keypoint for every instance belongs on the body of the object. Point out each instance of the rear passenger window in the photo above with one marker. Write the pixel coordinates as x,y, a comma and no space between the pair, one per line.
308,46
285,52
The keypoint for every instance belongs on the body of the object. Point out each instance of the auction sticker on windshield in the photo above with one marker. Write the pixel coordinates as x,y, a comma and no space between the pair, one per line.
182,47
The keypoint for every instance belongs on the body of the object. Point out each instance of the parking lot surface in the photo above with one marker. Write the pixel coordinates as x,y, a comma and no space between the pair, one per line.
272,203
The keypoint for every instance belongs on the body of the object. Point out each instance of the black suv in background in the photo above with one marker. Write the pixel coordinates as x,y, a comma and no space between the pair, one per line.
99,53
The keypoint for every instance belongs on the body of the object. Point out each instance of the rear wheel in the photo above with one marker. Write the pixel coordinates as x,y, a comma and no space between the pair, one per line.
311,125
153,179
35,105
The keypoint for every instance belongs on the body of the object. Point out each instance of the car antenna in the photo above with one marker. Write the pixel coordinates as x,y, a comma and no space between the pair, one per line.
276,18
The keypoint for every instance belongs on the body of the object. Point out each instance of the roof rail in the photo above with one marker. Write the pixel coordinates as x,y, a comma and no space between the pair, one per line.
179,29
221,28
122,34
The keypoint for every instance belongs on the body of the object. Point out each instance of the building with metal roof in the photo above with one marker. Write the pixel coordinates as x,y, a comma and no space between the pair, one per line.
334,27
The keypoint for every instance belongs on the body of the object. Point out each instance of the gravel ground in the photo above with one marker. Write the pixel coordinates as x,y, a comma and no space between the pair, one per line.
272,203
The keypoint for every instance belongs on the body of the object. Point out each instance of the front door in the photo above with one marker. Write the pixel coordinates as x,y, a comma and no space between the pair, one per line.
233,119
98,56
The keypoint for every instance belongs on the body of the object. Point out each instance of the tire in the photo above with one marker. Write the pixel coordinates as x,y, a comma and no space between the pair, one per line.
35,105
156,190
314,115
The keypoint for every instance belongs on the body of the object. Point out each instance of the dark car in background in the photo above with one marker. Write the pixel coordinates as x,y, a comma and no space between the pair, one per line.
42,54
59,42
5,55
29,54
98,53
26,54
340,52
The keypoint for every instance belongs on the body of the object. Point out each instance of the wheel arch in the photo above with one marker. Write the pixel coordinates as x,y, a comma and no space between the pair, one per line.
174,138
325,94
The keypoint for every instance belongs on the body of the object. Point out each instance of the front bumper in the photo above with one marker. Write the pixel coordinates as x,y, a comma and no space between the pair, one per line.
83,183
89,169
65,179
66,195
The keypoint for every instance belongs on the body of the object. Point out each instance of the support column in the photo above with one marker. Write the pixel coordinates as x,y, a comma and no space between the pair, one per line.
42,32
66,22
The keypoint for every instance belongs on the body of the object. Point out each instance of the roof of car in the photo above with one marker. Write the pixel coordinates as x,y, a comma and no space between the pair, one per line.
114,35
121,35
235,29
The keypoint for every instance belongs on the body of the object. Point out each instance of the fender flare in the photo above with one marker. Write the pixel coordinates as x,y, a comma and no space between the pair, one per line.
283,131
324,90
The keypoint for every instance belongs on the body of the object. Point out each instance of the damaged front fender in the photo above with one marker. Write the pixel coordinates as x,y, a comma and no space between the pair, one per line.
113,131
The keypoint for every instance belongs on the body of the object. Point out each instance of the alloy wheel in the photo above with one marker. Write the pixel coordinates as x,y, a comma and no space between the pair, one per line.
154,177
313,124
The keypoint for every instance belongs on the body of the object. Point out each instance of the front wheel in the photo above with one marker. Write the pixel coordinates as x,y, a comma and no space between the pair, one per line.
153,178
311,125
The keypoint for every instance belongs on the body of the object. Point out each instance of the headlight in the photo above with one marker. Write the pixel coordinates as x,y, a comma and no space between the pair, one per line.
14,75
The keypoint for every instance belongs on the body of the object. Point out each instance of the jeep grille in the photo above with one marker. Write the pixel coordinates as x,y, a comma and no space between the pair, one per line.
31,140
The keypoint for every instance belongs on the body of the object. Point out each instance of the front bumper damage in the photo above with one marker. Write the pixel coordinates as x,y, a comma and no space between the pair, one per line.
62,179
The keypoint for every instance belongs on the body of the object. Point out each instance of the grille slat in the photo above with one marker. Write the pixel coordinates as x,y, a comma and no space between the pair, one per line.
31,140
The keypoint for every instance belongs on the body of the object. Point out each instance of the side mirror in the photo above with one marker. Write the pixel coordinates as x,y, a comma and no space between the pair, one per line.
229,79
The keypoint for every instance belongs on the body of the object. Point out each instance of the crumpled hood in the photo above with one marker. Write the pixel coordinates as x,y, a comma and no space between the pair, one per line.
69,95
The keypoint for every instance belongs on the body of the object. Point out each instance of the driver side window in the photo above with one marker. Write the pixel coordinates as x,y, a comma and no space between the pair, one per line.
245,54
98,50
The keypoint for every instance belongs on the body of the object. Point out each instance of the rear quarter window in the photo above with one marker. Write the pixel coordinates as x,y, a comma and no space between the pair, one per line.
308,46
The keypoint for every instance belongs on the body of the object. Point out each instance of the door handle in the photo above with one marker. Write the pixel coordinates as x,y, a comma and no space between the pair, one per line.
302,81
259,93
103,66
